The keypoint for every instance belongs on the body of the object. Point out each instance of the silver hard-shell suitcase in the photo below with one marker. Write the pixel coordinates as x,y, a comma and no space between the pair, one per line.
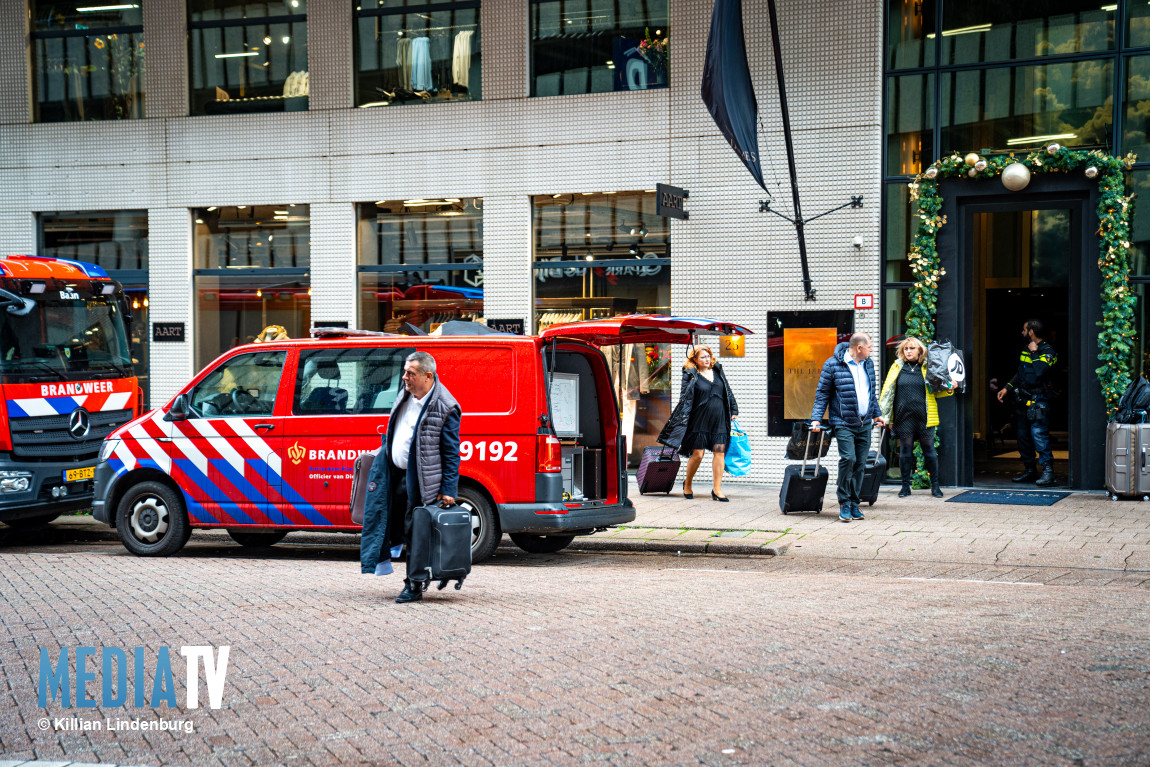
1127,456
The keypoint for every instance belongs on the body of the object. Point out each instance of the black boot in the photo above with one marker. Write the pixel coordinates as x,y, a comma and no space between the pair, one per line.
906,467
412,592
930,463
1029,475
1047,477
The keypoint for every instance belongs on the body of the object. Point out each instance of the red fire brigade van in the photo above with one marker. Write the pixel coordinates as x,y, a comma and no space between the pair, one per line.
263,441
66,379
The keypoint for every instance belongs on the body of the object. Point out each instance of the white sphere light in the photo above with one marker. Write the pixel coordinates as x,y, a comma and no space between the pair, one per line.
1015,176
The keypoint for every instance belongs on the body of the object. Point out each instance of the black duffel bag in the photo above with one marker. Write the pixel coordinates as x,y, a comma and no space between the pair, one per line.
1134,403
945,368
797,444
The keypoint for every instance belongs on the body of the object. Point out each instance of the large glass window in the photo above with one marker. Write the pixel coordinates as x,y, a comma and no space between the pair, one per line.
349,381
985,30
909,123
251,274
117,241
87,61
1023,106
602,254
592,46
248,56
900,225
420,262
412,52
910,34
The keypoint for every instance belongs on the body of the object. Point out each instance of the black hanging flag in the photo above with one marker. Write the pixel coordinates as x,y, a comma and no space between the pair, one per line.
727,89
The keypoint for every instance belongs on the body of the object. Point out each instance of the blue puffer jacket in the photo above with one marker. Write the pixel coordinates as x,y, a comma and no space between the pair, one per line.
837,387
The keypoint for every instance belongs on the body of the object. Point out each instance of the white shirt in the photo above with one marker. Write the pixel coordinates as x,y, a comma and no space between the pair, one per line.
406,419
862,385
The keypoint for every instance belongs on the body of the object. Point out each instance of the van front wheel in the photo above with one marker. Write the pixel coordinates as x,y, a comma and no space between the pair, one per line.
152,521
541,544
485,532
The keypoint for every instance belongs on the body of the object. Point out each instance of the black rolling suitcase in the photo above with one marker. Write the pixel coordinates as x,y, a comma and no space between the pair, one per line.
440,545
657,470
874,473
804,490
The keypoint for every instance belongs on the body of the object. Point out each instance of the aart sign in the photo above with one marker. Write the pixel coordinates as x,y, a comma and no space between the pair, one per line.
168,331
669,201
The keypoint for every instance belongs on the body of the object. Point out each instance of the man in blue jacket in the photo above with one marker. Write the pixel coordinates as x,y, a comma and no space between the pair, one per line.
418,466
847,384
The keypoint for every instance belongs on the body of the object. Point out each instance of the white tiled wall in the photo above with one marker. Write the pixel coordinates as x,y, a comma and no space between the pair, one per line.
729,260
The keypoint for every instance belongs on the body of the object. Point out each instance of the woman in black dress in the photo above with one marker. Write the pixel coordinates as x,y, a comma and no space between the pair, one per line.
909,406
702,419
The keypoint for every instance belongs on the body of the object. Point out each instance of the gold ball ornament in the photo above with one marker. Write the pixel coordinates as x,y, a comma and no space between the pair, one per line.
972,173
1015,176
1091,172
971,158
1053,149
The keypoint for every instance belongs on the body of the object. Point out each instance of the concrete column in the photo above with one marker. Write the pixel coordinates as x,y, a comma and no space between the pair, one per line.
333,259
508,282
18,233
329,39
16,95
171,298
503,26
166,57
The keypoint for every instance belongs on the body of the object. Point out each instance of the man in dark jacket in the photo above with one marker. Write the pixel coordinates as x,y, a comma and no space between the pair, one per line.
418,466
847,385
1031,387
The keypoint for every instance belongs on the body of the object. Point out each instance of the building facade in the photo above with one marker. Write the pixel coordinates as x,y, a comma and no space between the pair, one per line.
301,163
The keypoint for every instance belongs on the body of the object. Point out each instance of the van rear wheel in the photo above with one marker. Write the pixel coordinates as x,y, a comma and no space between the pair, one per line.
485,532
255,540
541,544
152,521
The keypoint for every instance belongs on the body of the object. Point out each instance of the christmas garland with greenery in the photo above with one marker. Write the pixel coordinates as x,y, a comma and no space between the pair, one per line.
1116,334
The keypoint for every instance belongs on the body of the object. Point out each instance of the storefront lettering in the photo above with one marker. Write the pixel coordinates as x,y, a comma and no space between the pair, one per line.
639,270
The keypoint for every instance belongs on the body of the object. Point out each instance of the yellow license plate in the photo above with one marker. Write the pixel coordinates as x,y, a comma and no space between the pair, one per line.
75,475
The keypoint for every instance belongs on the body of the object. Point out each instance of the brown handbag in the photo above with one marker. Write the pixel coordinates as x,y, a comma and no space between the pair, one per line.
359,484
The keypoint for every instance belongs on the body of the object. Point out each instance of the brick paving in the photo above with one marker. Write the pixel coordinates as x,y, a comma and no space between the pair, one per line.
930,633
596,657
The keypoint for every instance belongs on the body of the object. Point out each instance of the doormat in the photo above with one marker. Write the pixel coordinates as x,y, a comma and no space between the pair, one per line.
1009,497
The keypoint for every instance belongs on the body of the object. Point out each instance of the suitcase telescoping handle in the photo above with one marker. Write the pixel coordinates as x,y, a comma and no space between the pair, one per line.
877,453
807,451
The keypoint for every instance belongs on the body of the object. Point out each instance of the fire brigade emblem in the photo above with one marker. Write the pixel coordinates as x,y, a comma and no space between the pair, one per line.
296,453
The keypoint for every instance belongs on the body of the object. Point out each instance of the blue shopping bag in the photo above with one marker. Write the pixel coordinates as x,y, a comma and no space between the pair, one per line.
738,460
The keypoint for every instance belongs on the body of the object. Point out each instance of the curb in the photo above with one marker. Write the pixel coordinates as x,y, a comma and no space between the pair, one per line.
89,530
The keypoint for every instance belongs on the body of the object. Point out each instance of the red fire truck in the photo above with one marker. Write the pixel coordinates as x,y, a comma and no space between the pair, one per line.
66,379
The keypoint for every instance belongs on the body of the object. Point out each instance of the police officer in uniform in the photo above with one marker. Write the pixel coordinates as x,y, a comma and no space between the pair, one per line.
1031,386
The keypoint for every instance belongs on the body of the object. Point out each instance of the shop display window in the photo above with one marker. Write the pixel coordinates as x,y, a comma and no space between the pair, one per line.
87,61
592,46
901,221
247,56
412,53
1138,184
117,241
420,262
251,275
602,254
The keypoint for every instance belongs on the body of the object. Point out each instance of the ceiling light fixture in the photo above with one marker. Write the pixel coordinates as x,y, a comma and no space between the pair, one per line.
98,8
236,55
1023,140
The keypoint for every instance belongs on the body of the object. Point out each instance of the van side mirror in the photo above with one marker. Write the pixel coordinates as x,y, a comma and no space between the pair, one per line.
179,409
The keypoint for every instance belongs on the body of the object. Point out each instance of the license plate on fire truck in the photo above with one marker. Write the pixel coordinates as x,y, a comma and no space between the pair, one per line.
75,475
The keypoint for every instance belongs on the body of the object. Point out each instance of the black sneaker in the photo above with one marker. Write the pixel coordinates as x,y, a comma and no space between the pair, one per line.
1047,477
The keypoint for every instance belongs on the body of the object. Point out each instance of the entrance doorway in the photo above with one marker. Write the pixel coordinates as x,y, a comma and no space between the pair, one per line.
1021,263
1010,257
